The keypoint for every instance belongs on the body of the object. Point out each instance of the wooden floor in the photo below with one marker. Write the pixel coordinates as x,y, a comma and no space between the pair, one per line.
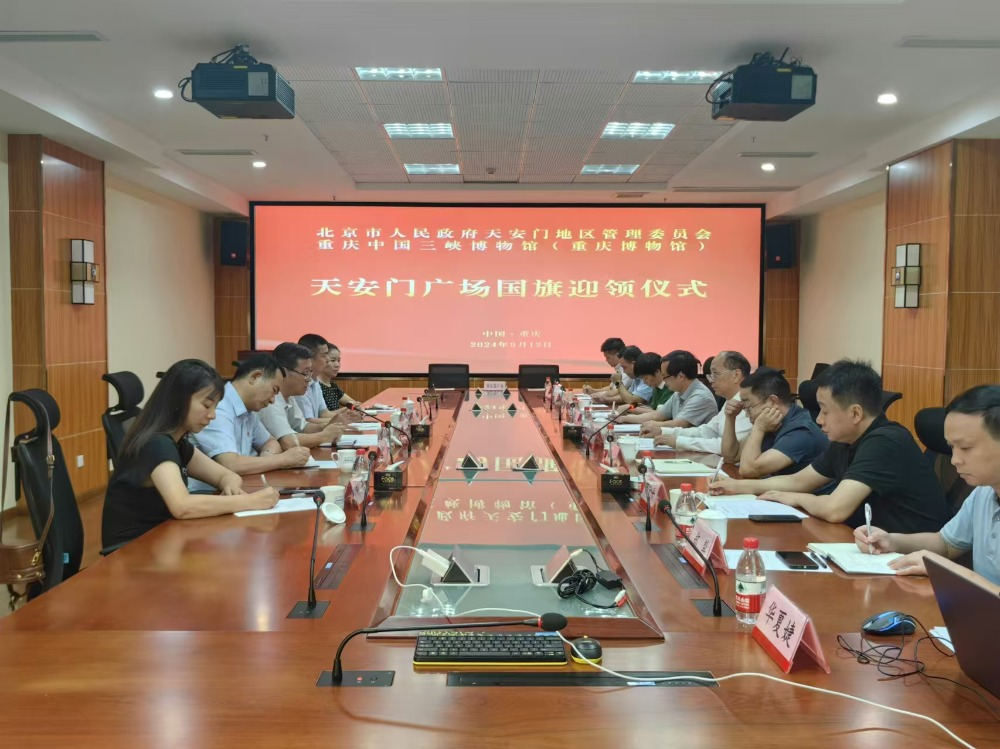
19,530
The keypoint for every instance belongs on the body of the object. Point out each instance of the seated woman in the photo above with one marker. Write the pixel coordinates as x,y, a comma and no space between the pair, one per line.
149,484
335,397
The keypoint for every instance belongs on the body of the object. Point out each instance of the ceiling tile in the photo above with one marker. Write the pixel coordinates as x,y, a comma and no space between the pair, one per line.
315,73
547,179
387,113
436,178
664,95
394,92
491,94
569,143
585,76
698,132
580,95
491,114
472,75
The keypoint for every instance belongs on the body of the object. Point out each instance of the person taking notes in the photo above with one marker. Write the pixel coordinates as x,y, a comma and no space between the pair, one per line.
282,418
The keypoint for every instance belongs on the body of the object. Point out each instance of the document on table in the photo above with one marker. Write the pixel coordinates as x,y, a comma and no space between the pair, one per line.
742,506
627,428
358,440
366,426
854,561
292,504
681,467
771,561
326,465
943,637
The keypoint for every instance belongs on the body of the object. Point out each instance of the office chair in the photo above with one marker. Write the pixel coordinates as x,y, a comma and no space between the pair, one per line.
63,549
807,395
929,426
818,370
118,419
448,376
889,397
533,375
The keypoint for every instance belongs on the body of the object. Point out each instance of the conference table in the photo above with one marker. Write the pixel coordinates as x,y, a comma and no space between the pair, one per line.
182,637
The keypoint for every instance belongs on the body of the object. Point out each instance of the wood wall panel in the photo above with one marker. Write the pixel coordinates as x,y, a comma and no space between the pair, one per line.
92,479
974,249
974,335
781,322
232,308
25,266
24,176
920,388
27,315
916,337
957,381
920,188
934,238
977,178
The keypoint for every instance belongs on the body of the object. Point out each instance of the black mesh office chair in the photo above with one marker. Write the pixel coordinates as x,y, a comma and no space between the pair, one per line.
448,376
807,395
889,397
533,375
63,549
929,426
119,417
818,370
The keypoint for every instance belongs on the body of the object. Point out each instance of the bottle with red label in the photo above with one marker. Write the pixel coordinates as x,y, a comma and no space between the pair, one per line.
685,514
751,581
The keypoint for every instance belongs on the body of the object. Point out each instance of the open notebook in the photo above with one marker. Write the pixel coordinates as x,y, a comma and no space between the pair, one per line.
854,561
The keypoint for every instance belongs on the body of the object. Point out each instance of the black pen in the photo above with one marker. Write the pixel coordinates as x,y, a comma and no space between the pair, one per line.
819,559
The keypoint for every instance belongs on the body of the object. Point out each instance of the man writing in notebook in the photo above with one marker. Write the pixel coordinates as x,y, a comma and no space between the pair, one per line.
870,458
972,428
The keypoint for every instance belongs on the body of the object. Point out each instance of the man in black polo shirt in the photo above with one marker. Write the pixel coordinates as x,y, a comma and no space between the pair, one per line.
870,458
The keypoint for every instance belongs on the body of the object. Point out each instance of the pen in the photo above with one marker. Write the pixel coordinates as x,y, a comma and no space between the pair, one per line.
263,477
868,527
819,559
717,469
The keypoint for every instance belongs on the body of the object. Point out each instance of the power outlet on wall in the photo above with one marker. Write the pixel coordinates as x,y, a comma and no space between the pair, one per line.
79,461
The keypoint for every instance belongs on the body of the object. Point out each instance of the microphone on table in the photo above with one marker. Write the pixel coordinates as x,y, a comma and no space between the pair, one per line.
372,456
642,485
547,622
364,415
310,609
717,601
590,439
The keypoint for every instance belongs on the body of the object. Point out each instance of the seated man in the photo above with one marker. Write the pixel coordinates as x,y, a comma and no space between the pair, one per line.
972,428
648,369
611,350
636,392
725,375
784,438
282,418
692,405
311,402
871,458
236,438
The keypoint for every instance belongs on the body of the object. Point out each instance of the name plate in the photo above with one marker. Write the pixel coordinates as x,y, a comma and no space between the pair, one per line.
388,481
784,630
494,386
615,483
572,432
708,543
420,431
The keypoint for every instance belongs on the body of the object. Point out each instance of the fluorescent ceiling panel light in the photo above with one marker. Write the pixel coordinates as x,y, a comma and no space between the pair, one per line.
432,169
399,74
436,130
637,130
609,169
676,76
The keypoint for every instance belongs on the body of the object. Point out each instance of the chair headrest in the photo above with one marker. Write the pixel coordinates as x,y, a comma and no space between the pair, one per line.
129,389
42,406
929,425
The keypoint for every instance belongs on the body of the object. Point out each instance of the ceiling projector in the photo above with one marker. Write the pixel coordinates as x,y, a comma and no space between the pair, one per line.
764,89
235,86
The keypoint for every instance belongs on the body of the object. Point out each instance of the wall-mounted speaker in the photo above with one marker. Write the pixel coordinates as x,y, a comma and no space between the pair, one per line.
233,243
781,245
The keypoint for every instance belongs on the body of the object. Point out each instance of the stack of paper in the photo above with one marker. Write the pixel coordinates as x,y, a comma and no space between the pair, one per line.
854,561
358,440
681,467
742,506
292,504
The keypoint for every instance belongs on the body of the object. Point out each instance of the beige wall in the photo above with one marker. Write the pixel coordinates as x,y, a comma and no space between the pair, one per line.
160,282
841,284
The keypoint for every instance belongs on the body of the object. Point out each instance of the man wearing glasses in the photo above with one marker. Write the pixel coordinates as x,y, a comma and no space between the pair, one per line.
727,372
283,418
784,439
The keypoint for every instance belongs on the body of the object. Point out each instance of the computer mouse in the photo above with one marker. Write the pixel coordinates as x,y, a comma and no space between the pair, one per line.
889,623
588,647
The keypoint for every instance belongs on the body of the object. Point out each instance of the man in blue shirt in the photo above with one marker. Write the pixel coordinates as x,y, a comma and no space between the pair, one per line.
637,391
783,440
972,428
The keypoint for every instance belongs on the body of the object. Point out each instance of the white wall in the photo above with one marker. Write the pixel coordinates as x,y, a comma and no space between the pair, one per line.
841,284
160,282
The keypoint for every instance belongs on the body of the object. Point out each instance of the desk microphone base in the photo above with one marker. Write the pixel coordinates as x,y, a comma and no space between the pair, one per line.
356,527
640,525
301,610
704,606
358,679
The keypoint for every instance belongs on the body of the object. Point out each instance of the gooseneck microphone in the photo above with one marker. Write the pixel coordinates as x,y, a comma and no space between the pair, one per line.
551,622
309,609
717,601
372,456
590,439
642,485
364,415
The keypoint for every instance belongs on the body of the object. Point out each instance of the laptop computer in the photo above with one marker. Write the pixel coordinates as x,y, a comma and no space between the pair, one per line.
970,609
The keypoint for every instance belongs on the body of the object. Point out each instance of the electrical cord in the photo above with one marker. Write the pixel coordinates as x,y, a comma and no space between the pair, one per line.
238,55
401,584
583,581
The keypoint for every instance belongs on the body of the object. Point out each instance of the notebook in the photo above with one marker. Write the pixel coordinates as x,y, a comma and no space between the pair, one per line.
681,466
970,608
742,506
854,561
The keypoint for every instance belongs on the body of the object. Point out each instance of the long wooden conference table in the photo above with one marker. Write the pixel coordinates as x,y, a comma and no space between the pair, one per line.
181,638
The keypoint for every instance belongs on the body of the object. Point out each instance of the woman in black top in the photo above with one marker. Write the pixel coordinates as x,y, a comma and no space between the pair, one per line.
149,484
335,397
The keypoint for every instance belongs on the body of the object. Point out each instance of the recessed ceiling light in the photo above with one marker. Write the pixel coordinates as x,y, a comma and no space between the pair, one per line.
675,76
399,74
259,164
887,99
419,130
637,130
609,168
767,166
163,93
432,169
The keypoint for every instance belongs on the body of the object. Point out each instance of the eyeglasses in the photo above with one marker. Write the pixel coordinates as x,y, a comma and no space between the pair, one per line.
748,407
712,374
306,375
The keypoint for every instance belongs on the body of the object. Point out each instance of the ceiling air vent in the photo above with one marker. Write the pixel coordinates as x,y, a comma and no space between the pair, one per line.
761,188
216,152
931,42
630,195
777,154
51,36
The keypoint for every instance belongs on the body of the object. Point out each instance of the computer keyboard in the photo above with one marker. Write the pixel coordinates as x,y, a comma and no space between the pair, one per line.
461,648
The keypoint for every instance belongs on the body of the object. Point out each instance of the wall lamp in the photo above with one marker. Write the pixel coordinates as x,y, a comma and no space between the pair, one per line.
906,275
83,272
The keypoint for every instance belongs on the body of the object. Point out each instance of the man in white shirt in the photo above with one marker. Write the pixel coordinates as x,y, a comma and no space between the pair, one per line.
311,402
282,418
727,372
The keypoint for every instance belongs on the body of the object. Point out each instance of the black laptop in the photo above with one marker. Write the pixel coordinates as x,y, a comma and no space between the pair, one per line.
971,610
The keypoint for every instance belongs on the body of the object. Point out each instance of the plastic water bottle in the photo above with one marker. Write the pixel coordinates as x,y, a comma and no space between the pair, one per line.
557,394
685,514
384,446
751,581
359,477
588,422
547,396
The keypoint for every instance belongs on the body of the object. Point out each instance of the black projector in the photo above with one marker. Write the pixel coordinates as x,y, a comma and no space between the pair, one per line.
770,93
242,92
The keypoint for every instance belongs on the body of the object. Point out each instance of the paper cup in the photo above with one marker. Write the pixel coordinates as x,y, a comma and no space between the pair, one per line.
345,459
334,494
717,521
629,447
675,494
